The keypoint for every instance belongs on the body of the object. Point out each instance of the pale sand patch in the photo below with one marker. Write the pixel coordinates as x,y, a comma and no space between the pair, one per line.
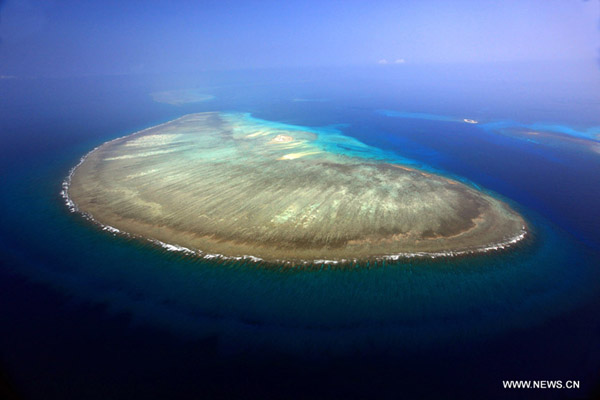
293,156
282,139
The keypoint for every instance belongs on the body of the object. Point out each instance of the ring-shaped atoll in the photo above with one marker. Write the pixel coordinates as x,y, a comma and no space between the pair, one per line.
229,185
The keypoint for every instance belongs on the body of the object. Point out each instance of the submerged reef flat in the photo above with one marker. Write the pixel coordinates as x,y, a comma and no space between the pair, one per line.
180,97
231,185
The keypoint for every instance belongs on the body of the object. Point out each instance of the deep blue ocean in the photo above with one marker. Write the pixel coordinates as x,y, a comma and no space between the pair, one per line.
85,314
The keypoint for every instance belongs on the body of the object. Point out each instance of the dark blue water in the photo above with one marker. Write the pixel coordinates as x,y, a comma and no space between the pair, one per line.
86,314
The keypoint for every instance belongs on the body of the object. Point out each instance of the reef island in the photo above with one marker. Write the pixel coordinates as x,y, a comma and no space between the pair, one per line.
231,185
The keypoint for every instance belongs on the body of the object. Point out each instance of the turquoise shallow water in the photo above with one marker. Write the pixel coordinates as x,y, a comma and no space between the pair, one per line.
389,310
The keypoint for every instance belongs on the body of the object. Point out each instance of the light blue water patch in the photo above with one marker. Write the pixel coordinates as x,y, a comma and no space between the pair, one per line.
588,134
592,133
331,139
416,115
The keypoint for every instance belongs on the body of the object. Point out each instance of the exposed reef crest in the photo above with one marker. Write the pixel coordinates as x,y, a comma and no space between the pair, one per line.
229,186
